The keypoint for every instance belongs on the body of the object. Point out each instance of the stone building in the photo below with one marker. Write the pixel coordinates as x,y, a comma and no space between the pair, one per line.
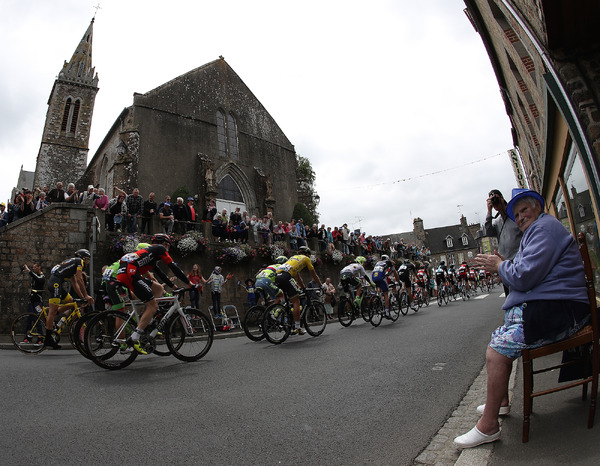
204,132
545,55
64,148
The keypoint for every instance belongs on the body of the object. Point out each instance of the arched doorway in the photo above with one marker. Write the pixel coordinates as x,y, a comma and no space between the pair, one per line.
230,196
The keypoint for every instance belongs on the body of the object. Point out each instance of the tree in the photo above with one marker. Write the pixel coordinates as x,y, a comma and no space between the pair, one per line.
305,187
301,212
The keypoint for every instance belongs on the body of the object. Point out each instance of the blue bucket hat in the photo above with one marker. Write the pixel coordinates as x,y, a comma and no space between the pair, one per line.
518,194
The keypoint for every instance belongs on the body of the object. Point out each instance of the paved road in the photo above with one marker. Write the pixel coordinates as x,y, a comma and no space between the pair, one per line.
357,395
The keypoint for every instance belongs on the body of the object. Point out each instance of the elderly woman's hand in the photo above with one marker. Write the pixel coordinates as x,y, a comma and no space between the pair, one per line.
489,262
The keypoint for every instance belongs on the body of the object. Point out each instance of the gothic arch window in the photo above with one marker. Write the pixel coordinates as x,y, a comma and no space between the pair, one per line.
465,240
232,139
221,134
70,116
227,135
229,190
449,242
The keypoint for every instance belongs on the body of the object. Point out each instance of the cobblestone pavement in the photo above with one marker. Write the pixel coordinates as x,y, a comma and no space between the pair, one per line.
441,450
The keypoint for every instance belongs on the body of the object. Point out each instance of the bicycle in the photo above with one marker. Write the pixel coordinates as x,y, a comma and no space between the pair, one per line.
376,307
350,309
31,326
463,291
187,333
278,319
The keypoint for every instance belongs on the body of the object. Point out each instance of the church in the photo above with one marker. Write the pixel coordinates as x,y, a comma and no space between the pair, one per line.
203,133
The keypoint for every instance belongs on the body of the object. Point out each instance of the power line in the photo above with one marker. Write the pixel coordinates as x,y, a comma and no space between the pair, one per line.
403,180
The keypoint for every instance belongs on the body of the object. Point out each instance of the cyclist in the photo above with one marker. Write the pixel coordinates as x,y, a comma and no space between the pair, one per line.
265,280
382,270
404,272
136,264
350,277
423,279
71,269
463,275
441,275
289,273
452,277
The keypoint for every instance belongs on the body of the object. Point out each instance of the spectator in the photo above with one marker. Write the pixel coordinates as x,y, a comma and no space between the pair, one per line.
329,291
191,213
250,290
322,237
242,232
246,218
210,212
134,209
28,204
195,277
345,238
236,217
167,199
216,281
116,210
149,210
3,215
301,233
313,232
165,214
102,201
57,194
89,197
72,195
15,210
219,229
293,237
180,216
225,217
255,224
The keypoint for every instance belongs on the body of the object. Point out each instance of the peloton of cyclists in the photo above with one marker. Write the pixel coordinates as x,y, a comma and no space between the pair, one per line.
382,270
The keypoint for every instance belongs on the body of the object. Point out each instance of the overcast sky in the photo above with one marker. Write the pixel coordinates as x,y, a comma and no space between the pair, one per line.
394,102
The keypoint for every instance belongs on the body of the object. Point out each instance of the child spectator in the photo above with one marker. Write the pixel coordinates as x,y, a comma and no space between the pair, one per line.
251,290
195,277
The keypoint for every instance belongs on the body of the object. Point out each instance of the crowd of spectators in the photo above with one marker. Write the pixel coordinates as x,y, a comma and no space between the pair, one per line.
131,213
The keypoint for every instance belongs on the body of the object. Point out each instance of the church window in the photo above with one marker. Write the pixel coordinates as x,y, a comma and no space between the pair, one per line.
232,137
63,127
70,116
221,134
229,190
75,116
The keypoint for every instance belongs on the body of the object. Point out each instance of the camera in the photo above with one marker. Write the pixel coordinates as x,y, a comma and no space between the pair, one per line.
495,200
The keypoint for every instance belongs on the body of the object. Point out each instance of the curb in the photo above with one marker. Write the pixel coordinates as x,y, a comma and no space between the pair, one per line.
441,450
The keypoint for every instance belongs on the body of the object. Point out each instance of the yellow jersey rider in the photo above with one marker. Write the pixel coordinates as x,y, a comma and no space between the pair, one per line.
287,276
71,269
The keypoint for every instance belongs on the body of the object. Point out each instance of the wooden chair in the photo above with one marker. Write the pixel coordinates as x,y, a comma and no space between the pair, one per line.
586,336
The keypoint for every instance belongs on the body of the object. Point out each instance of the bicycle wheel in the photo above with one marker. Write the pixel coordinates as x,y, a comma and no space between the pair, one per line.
345,311
105,337
375,311
364,308
394,306
28,332
253,322
314,319
277,323
404,303
415,303
189,337
77,332
440,297
446,295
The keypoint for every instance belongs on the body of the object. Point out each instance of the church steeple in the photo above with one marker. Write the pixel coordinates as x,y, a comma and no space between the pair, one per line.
64,148
79,69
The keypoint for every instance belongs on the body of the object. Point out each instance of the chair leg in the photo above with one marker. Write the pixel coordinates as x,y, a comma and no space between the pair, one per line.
527,400
594,394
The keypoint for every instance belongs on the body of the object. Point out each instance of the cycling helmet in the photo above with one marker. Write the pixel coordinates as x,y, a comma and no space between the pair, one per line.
304,250
82,253
161,238
142,246
360,260
442,263
385,257
217,270
406,261
281,260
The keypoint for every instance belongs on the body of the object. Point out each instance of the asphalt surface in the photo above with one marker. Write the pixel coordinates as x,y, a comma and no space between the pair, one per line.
308,401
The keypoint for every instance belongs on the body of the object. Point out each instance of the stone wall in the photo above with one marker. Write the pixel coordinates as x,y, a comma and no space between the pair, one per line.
55,233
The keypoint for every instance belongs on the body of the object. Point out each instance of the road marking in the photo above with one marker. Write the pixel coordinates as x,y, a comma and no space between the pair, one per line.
482,296
439,366
502,295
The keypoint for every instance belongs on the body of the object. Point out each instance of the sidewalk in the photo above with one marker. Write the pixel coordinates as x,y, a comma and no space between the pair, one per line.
558,433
